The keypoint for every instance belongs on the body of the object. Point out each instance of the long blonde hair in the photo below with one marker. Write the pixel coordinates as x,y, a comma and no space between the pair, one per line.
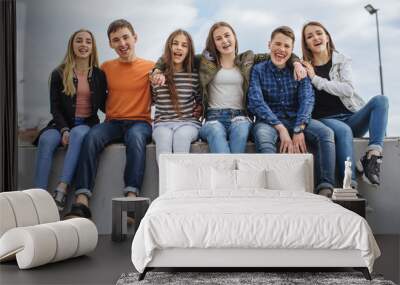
68,64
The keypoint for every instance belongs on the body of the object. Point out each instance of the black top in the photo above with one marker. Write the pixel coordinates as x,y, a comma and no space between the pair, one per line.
325,103
63,107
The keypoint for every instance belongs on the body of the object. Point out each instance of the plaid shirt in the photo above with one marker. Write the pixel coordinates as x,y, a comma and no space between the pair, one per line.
274,95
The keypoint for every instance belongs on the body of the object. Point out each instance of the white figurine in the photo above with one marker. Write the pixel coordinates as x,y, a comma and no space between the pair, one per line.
347,174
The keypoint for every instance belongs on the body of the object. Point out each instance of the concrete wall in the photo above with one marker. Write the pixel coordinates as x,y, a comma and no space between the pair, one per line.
383,212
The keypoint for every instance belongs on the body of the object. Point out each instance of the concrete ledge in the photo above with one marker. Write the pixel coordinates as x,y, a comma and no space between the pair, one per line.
384,201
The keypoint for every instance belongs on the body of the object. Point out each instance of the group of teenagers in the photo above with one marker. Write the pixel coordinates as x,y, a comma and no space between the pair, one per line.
284,103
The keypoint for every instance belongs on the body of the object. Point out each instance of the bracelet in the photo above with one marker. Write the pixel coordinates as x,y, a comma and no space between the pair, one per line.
63,130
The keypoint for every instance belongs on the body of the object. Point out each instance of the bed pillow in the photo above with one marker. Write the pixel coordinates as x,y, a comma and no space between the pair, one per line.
287,174
227,179
251,178
223,179
183,177
278,180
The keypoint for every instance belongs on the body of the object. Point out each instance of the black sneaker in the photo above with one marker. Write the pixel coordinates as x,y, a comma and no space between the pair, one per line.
370,167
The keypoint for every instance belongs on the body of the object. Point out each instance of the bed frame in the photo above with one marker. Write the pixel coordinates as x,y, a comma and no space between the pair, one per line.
242,259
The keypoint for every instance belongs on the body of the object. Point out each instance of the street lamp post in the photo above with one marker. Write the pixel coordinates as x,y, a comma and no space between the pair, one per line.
372,11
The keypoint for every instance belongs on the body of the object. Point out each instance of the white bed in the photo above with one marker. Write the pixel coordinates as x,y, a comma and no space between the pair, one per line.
222,211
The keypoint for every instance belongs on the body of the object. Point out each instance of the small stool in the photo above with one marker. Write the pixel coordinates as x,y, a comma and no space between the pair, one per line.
120,208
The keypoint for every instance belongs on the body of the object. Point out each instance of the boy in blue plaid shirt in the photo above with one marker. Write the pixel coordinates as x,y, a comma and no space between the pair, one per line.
282,107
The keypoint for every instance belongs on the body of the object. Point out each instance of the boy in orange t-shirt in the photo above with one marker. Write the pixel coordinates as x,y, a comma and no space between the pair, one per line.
127,117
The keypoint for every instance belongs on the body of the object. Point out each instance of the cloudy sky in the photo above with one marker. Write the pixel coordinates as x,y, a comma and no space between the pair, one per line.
44,27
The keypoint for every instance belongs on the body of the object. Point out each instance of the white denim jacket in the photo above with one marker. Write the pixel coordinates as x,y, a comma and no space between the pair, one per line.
340,83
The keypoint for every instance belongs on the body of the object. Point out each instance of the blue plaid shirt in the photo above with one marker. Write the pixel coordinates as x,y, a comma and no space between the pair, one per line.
274,94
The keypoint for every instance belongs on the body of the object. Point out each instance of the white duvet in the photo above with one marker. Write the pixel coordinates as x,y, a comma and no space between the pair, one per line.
250,219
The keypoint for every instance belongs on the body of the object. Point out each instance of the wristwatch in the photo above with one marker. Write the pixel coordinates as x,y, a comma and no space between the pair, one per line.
299,129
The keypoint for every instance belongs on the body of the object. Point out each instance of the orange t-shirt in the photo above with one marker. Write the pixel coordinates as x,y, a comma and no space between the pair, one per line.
129,96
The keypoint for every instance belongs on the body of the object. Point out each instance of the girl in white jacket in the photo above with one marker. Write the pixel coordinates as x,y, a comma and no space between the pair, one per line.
339,107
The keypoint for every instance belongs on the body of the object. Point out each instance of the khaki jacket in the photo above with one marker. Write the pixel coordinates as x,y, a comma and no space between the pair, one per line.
244,61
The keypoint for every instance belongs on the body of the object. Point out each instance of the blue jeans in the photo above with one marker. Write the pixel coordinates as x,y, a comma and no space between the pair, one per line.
317,134
223,125
174,137
372,117
134,134
48,142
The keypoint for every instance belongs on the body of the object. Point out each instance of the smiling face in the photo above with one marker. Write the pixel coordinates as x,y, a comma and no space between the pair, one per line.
179,50
224,40
316,39
82,45
281,47
123,42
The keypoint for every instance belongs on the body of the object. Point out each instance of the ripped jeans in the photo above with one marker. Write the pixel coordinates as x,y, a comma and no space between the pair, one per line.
226,130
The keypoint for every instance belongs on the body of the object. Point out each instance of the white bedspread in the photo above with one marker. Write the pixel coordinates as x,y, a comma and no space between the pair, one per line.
250,219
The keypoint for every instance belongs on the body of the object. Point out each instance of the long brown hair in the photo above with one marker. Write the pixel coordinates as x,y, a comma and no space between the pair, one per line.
307,54
170,67
68,63
210,44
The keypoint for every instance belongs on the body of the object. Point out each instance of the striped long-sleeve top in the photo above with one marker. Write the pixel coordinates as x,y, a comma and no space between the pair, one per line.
188,90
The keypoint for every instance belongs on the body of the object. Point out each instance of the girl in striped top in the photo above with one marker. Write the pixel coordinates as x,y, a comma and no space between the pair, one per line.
177,103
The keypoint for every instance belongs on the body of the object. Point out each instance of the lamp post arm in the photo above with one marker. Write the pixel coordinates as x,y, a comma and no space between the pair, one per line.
379,52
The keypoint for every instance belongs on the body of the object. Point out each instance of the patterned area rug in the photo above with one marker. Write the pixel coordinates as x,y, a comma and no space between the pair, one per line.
243,278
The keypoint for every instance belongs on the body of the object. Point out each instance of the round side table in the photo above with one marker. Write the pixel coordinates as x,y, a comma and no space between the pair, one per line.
120,208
